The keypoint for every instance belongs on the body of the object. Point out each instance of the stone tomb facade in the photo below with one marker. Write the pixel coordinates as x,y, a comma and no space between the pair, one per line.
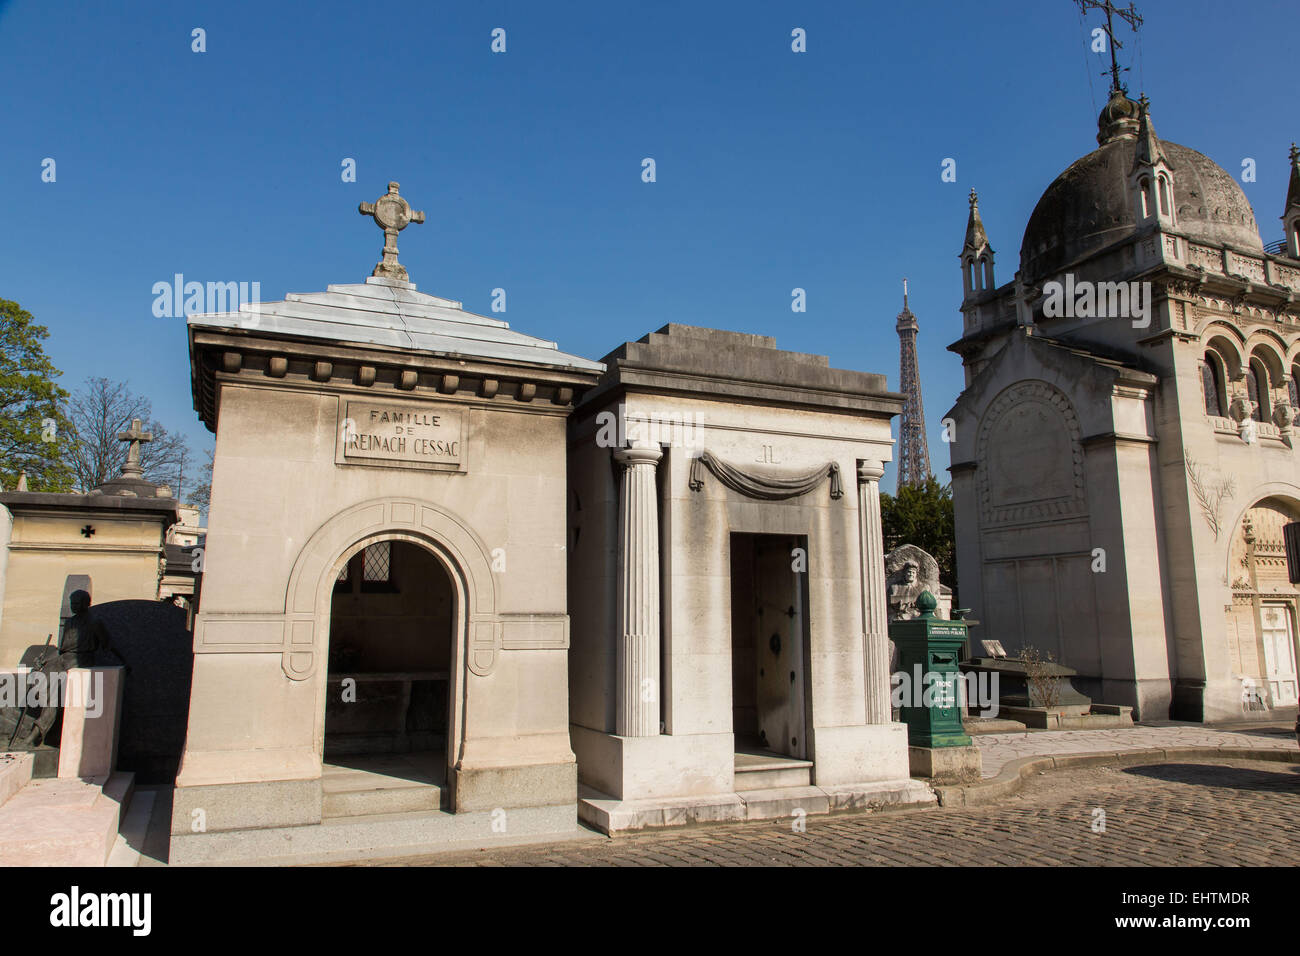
383,624
729,651
1125,445
112,537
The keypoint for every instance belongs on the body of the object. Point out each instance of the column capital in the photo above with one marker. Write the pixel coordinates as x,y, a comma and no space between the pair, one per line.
639,455
870,469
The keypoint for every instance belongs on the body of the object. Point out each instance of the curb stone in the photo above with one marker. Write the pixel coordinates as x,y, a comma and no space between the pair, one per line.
1013,775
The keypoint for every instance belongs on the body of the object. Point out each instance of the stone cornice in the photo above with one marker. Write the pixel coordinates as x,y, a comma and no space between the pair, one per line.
222,357
1115,438
631,380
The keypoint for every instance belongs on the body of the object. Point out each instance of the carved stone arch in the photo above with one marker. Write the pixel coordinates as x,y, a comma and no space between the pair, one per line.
448,536
1210,324
1270,349
1031,456
1229,343
1279,494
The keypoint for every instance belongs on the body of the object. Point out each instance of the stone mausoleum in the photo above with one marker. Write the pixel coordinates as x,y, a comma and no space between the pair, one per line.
729,653
1125,453
457,582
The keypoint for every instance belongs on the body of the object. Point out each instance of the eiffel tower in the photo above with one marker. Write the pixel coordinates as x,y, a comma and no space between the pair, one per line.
913,452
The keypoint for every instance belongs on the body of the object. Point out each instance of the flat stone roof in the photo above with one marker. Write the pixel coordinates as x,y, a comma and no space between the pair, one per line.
18,501
737,366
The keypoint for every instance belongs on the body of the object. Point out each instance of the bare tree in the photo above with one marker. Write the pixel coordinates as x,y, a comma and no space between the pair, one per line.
98,411
201,494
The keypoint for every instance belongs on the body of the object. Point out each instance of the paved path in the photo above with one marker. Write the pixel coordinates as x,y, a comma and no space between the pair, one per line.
997,750
1199,813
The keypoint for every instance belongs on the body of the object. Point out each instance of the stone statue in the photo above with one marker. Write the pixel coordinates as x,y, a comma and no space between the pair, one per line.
83,635
909,573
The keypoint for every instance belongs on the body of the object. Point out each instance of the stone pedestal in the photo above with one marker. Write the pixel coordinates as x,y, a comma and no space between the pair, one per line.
92,716
946,764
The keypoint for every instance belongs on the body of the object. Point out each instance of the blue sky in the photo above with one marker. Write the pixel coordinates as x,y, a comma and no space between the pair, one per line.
775,170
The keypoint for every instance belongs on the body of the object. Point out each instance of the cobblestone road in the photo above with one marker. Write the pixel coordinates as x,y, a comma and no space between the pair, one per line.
1215,813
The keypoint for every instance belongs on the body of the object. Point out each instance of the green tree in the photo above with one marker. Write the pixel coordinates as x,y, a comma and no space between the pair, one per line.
34,432
922,515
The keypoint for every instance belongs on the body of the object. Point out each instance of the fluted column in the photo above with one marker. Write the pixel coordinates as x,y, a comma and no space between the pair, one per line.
875,599
638,689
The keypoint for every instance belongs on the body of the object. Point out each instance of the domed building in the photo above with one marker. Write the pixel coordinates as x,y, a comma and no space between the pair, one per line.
1125,453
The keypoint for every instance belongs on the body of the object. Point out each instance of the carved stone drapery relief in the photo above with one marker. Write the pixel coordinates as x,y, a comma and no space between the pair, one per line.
766,483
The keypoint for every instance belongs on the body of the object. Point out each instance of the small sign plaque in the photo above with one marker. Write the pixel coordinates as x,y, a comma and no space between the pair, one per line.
401,434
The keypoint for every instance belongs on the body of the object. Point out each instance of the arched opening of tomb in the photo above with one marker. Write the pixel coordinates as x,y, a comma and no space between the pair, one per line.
1262,618
391,630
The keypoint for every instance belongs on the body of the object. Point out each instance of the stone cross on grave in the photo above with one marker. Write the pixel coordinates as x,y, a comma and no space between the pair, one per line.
136,437
392,214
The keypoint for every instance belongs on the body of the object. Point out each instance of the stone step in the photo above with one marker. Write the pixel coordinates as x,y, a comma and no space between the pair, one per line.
63,822
783,801
378,836
15,773
133,830
756,771
377,800
383,783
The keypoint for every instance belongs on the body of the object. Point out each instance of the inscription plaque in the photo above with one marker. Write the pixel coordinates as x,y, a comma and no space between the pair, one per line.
400,434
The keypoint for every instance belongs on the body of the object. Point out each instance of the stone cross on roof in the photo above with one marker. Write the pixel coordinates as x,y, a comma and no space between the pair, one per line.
392,213
136,436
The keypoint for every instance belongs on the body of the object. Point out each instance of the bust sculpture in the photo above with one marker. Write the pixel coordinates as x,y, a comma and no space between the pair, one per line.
910,572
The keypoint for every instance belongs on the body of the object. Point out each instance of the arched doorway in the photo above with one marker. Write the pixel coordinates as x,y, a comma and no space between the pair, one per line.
1265,610
393,619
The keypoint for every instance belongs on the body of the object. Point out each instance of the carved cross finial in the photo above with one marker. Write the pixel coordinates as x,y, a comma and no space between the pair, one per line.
392,214
137,437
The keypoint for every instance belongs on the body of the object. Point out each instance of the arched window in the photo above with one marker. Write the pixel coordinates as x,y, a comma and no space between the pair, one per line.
1257,390
1164,196
1212,384
1293,386
988,270
1144,186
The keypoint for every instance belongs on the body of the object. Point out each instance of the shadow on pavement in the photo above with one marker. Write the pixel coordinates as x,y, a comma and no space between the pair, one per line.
1285,779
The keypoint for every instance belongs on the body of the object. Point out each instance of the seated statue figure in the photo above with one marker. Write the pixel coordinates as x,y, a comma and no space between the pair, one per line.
84,635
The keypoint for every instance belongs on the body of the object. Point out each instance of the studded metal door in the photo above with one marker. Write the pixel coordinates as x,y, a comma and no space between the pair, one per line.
779,646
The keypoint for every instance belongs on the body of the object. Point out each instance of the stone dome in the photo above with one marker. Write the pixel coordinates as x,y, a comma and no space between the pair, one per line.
1088,206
